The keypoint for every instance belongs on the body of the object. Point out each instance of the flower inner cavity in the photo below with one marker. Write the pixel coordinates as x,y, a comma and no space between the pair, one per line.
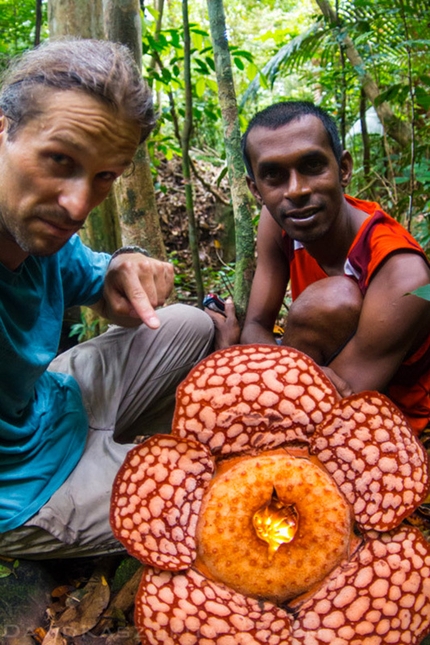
276,523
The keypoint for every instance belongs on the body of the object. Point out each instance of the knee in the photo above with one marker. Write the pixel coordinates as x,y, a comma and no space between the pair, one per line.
188,320
335,299
328,297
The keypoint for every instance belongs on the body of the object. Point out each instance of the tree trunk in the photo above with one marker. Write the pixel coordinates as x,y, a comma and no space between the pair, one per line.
186,167
38,25
75,18
240,195
396,129
365,140
159,6
134,193
122,25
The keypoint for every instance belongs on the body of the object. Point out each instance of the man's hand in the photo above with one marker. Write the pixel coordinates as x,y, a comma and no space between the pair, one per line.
343,388
227,330
134,286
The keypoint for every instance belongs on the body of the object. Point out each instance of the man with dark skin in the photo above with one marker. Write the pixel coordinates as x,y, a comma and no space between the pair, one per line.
72,114
360,323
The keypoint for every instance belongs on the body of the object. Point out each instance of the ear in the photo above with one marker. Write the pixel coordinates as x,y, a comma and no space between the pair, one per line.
2,122
345,168
254,190
3,126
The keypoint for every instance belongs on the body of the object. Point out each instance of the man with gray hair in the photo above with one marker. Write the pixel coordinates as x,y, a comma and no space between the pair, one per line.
72,114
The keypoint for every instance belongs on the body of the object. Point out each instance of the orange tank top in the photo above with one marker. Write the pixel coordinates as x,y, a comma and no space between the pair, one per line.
378,237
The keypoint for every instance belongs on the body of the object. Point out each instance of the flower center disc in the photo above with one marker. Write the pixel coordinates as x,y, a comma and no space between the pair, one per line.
229,547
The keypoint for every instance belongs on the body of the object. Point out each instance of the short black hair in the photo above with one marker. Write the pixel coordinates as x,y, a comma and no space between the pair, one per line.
279,114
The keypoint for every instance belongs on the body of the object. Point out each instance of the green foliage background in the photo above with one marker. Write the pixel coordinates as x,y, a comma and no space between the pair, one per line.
18,27
285,49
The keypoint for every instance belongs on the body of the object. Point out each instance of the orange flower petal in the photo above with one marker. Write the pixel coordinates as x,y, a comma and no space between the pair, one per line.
253,396
156,500
188,609
375,459
381,596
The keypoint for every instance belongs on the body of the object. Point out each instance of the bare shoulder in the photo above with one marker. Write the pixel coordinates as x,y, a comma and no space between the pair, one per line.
403,272
269,234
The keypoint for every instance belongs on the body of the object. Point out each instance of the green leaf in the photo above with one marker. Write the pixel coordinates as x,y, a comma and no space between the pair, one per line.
5,571
239,63
251,71
263,80
397,92
175,38
212,85
154,13
196,30
221,175
197,40
422,98
422,292
210,61
425,79
200,87
203,68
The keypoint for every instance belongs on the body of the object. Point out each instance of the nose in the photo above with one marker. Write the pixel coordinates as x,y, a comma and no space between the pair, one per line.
297,187
77,199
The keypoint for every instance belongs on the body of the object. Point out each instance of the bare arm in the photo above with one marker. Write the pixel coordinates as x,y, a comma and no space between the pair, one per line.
134,286
269,283
391,325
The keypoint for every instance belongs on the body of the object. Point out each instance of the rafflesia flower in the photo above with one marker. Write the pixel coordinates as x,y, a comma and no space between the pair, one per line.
274,512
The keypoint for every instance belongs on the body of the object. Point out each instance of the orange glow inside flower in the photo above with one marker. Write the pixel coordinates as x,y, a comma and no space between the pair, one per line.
276,523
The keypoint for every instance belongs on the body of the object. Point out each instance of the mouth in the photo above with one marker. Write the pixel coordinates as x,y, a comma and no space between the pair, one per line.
58,229
301,214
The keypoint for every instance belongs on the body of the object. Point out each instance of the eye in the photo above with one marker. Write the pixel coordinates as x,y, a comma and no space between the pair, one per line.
107,176
60,159
271,173
314,165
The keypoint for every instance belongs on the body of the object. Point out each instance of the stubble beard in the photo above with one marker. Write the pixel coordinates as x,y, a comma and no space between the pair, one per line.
15,231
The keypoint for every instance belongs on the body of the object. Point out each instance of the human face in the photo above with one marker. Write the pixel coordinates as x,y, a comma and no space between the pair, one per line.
56,168
298,178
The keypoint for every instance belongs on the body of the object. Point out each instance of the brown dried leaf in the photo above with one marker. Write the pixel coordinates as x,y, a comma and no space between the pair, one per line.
78,620
53,637
63,590
39,634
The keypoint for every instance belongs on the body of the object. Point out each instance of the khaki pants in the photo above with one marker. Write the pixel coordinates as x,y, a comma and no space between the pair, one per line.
128,379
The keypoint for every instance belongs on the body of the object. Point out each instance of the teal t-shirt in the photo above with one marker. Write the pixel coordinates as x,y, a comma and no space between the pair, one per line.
43,424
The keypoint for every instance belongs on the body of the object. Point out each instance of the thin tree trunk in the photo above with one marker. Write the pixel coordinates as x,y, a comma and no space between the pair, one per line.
240,195
135,196
38,25
396,129
365,138
186,170
342,120
159,5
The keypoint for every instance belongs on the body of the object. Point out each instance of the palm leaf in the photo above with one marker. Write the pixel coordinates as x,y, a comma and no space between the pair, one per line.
292,55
